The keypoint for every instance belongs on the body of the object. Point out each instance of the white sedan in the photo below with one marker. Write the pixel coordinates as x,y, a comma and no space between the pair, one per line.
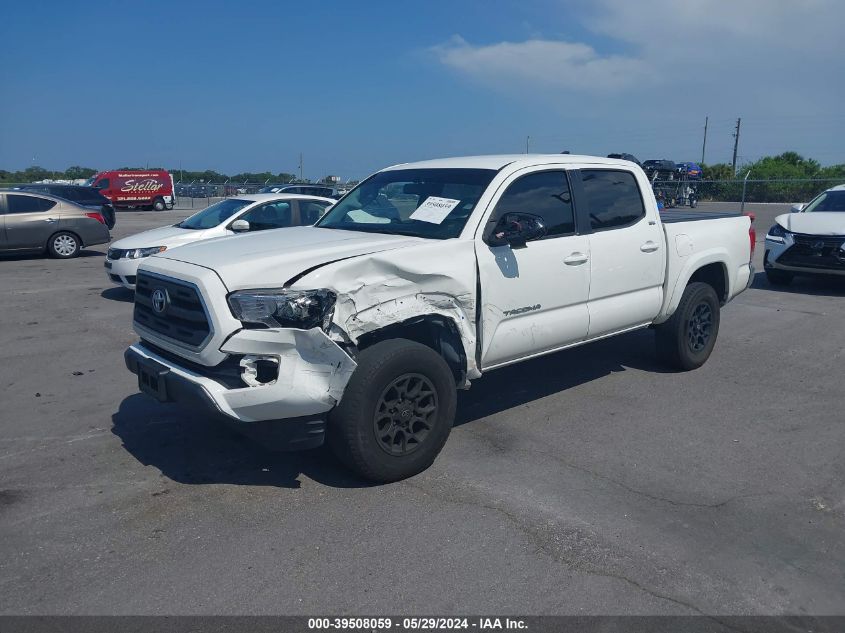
256,212
808,241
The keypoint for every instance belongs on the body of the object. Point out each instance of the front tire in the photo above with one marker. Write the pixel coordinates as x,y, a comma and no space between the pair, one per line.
687,339
396,412
63,245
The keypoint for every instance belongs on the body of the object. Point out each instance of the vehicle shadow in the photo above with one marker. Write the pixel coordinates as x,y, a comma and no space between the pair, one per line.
119,293
19,257
818,285
192,448
524,382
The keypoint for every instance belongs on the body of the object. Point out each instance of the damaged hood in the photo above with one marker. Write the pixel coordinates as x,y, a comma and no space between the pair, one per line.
814,223
269,259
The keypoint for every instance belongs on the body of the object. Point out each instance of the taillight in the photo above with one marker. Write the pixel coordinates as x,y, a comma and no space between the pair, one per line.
752,234
96,215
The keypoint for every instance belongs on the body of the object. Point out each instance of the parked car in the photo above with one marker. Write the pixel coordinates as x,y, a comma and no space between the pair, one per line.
150,189
660,169
42,223
233,215
691,170
308,190
84,196
808,241
360,329
628,157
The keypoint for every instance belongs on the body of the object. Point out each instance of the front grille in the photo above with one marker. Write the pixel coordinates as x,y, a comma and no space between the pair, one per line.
815,251
130,279
115,278
183,319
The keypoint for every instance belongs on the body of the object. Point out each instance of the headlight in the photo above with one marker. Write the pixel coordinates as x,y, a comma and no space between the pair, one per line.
139,253
301,309
777,233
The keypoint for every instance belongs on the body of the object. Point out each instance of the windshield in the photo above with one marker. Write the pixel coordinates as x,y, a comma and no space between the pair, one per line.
215,214
827,201
432,203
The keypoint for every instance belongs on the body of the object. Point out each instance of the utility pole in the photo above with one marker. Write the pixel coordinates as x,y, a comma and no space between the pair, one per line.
704,144
736,144
527,144
300,165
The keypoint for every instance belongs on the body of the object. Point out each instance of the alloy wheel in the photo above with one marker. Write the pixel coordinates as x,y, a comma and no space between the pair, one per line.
405,414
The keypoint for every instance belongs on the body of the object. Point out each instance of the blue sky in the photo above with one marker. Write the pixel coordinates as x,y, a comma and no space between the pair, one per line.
357,86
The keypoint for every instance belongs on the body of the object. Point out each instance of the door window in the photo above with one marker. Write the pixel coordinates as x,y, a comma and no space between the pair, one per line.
545,194
27,204
613,198
274,215
102,184
310,211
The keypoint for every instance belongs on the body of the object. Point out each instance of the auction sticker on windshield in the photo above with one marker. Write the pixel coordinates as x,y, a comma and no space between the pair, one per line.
434,209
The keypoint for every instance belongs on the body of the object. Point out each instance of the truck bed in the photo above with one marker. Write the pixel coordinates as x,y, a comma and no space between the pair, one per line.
670,216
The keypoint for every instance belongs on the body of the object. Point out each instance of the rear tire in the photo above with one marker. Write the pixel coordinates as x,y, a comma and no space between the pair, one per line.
158,205
64,245
687,339
396,412
779,277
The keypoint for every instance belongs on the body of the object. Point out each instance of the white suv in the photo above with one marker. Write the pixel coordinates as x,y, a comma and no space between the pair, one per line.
808,241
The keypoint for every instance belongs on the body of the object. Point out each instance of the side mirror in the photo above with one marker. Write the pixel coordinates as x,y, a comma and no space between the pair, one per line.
517,229
240,226
797,208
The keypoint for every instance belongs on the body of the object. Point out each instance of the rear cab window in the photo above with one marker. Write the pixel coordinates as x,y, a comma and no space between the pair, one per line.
613,198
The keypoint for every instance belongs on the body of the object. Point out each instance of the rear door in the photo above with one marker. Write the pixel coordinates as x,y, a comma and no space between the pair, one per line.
627,251
29,221
310,211
272,215
534,298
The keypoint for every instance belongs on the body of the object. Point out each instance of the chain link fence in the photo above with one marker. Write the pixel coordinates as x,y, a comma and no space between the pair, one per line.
200,194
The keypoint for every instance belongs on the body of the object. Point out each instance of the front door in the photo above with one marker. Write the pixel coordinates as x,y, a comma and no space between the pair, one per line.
29,221
533,298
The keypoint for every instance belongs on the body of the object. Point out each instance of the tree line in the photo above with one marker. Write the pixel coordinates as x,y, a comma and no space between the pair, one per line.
76,172
802,178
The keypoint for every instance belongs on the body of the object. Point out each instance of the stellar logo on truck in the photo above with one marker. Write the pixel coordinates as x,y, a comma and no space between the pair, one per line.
146,186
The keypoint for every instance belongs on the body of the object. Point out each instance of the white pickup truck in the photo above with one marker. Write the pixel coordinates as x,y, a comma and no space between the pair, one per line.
360,329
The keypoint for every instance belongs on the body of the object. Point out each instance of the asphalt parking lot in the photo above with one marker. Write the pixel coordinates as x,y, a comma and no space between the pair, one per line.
586,482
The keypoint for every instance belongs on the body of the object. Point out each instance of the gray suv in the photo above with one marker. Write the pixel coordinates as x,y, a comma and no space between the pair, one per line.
42,223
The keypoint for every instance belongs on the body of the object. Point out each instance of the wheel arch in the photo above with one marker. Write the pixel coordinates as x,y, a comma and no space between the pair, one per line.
709,268
57,231
436,331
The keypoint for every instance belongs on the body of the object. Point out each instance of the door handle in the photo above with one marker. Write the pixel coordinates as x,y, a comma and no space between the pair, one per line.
575,259
649,247
50,220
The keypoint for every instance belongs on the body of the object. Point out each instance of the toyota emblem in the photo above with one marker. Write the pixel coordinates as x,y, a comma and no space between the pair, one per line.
159,300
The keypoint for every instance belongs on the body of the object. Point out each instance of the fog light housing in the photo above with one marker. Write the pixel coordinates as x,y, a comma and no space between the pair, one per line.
259,370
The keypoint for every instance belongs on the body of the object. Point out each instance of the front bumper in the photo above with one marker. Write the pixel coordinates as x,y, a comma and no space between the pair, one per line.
122,271
313,372
806,255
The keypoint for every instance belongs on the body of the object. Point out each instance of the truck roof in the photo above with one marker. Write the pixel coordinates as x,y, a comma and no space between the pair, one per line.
497,161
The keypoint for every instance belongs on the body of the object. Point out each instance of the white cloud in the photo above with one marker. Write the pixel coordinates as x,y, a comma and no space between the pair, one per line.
775,63
572,66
